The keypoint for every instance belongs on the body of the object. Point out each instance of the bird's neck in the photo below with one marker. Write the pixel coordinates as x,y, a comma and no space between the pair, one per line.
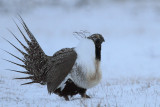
98,52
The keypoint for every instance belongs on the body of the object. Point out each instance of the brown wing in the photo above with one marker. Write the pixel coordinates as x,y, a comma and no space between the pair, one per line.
63,63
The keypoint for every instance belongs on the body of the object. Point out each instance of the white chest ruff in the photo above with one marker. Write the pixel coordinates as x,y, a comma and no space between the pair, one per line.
86,72
85,78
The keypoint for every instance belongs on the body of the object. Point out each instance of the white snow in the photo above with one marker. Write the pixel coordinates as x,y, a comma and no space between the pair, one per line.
130,54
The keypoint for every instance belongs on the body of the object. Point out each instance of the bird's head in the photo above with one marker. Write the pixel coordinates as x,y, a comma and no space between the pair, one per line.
97,39
91,44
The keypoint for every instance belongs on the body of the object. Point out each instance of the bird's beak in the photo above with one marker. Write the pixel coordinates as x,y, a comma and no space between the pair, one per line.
102,40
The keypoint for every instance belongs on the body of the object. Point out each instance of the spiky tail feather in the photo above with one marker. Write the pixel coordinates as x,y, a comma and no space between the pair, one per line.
35,60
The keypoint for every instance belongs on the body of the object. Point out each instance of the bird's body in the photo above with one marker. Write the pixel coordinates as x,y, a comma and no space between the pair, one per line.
69,71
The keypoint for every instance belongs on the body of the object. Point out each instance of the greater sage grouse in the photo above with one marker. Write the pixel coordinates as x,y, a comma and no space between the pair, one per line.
68,72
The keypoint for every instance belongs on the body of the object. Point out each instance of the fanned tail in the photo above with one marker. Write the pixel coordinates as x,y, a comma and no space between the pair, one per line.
34,59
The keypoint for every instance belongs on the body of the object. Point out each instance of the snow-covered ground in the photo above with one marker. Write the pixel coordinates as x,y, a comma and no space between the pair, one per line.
130,55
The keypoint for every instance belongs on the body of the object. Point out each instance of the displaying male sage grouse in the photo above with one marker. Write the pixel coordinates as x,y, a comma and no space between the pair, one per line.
68,72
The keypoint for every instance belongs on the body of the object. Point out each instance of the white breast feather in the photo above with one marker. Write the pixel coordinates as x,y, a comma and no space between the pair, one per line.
86,59
86,55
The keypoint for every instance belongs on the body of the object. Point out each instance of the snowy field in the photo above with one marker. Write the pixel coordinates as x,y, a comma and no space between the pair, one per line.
130,55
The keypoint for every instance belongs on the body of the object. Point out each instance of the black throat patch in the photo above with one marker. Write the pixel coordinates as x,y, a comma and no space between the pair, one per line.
98,52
